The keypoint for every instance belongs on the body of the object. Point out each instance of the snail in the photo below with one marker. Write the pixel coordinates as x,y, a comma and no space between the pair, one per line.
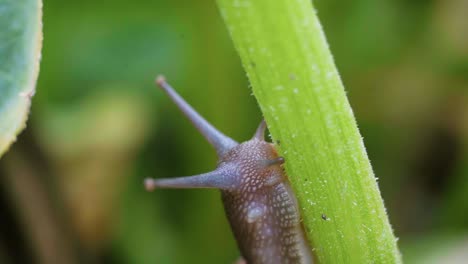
258,200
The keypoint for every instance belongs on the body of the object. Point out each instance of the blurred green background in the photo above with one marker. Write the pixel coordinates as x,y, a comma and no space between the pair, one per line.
72,187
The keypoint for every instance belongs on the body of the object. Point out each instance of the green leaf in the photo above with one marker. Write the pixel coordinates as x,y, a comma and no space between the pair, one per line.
20,49
293,76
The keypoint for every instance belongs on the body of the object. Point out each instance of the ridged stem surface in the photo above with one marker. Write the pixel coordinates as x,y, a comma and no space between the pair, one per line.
288,62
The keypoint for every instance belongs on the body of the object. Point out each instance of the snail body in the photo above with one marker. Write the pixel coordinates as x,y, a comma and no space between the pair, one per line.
258,200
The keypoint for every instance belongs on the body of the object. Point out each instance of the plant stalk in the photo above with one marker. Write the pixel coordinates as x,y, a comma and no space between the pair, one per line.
293,76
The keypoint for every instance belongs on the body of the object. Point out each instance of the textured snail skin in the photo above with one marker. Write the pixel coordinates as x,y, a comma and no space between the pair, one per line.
262,209
258,200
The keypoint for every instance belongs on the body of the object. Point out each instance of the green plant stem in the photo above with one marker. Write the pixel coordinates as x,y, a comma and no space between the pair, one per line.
293,76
